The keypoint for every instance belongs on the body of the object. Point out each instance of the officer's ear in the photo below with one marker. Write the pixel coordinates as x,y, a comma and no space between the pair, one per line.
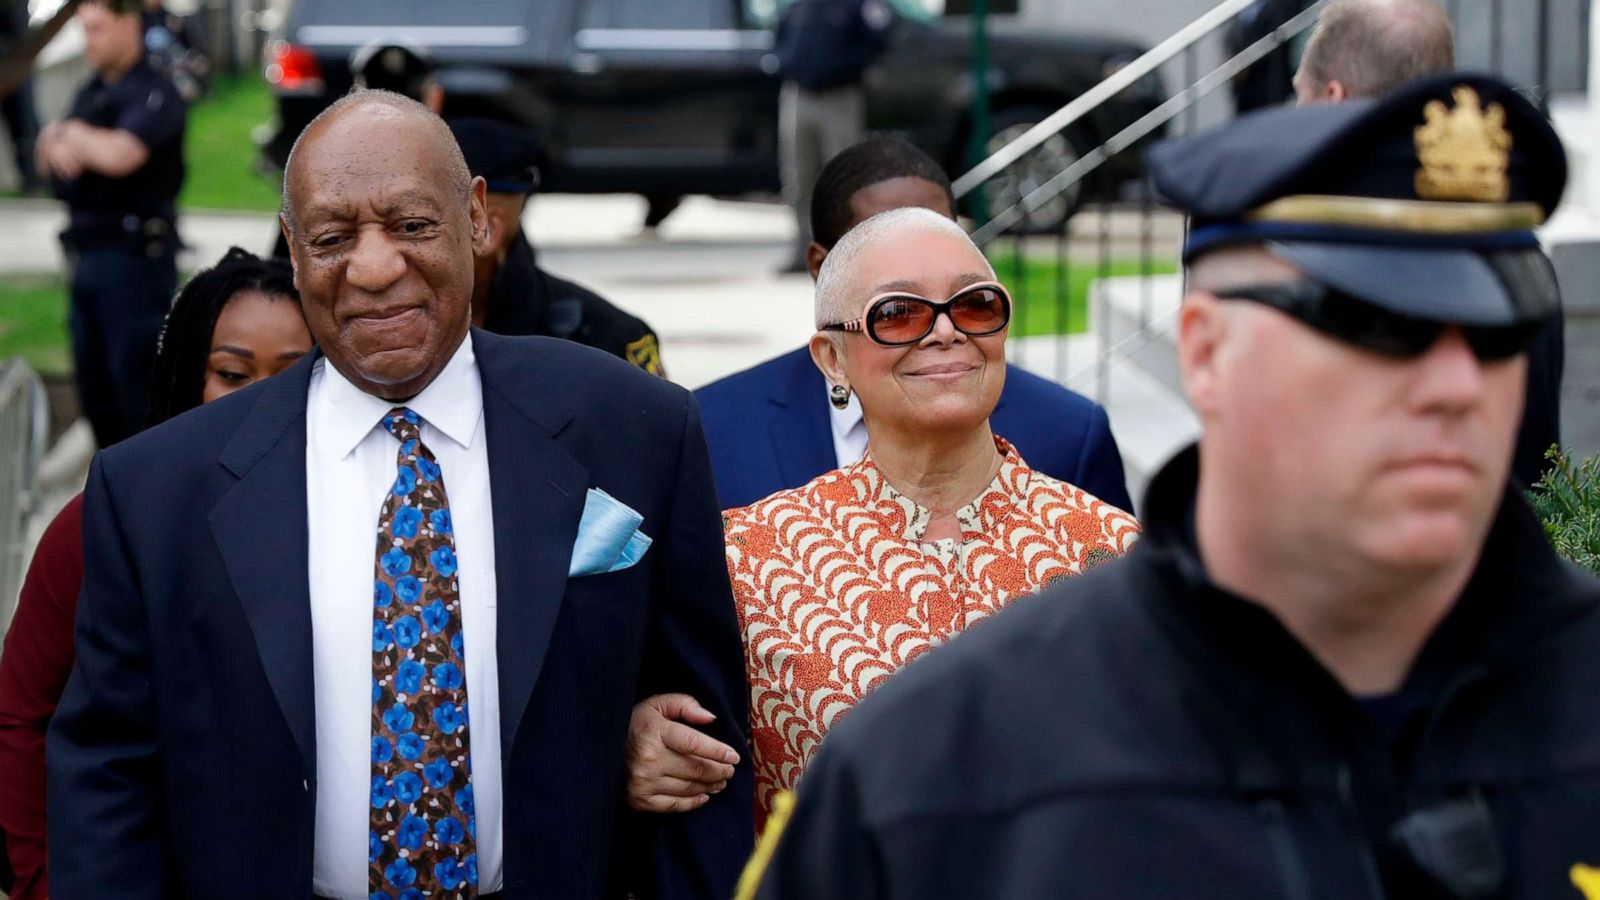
1203,323
433,97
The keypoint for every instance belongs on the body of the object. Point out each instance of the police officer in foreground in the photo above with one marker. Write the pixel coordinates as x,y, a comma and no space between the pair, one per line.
117,161
511,294
1344,663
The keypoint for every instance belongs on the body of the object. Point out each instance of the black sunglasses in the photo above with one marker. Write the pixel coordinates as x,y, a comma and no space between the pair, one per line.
895,320
1355,321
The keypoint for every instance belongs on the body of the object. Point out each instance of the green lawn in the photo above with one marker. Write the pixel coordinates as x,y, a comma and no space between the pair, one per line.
1044,305
218,150
33,322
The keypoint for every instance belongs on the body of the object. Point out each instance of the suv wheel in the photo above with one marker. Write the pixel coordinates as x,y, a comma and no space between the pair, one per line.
1030,172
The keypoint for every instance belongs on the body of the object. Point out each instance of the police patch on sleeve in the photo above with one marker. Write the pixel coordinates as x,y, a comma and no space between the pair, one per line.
646,354
1587,880
750,878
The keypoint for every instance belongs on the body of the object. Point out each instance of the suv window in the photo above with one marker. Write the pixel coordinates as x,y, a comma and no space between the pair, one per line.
660,14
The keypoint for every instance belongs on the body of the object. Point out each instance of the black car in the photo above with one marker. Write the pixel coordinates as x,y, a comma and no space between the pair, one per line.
672,98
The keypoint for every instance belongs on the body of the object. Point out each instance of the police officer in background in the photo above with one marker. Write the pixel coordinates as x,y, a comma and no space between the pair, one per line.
511,293
1344,663
400,67
117,161
823,48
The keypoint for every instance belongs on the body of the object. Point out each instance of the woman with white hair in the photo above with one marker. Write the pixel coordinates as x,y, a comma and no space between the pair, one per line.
843,580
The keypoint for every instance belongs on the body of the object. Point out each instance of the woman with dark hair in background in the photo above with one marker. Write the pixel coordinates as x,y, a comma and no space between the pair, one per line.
230,327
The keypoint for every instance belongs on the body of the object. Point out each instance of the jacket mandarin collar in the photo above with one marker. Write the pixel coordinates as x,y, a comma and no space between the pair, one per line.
910,521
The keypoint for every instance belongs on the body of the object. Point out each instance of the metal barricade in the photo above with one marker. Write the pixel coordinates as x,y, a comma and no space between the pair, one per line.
24,431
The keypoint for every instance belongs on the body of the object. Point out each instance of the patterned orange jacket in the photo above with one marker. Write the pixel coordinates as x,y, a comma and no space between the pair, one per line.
836,588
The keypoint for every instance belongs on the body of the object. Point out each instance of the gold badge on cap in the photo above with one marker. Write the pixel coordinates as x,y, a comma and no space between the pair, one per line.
1465,151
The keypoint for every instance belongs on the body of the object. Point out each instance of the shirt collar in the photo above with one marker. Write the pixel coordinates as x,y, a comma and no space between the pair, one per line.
451,403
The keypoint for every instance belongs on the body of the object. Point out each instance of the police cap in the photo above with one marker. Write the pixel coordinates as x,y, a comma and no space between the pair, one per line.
1422,203
389,65
504,155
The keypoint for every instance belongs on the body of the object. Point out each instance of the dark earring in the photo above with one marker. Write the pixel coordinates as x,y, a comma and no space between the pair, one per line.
839,396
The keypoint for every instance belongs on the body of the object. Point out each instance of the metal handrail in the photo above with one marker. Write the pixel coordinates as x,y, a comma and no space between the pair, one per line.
1084,103
1143,126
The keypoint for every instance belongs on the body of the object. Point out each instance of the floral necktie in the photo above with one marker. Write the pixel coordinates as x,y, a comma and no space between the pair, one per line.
423,833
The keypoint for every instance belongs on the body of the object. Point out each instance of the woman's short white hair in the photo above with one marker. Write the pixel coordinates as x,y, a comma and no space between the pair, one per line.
838,297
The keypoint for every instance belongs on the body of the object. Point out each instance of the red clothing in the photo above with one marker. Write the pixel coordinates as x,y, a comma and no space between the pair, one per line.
33,672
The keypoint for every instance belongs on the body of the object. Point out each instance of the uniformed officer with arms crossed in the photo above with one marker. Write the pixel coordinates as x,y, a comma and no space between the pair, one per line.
512,294
1344,663
117,161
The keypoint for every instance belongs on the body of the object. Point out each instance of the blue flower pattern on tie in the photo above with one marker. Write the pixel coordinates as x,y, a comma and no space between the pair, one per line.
423,833
406,520
409,679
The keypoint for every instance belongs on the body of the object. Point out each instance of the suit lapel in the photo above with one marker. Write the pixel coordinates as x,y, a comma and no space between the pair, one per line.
537,493
801,432
260,530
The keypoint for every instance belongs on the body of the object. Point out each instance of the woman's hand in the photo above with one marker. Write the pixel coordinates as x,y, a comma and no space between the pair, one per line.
671,766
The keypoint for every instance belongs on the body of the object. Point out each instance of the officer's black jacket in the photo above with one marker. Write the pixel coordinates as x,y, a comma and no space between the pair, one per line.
1139,733
143,103
526,300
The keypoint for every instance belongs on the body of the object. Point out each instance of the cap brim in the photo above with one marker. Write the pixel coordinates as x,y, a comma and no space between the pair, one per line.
1440,285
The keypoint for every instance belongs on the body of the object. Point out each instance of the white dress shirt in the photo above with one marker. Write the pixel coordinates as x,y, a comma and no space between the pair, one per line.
350,466
849,431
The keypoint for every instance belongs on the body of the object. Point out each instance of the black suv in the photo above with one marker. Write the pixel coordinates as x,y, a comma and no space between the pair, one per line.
672,97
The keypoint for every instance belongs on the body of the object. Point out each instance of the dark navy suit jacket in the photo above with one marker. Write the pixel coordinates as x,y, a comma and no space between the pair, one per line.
768,429
182,757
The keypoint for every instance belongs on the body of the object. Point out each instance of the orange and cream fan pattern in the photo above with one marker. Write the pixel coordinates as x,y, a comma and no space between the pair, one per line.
836,588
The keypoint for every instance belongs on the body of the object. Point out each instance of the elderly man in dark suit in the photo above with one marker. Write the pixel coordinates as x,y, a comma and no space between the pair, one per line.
306,667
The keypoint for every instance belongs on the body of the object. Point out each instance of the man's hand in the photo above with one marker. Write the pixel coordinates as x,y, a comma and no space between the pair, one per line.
69,148
55,154
671,766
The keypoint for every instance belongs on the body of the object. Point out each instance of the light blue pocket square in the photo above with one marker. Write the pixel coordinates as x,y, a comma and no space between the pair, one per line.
609,539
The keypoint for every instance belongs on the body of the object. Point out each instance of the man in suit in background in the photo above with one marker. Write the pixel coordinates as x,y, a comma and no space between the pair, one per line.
267,704
771,427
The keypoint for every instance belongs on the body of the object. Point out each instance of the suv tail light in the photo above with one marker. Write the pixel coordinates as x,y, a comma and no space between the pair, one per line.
293,69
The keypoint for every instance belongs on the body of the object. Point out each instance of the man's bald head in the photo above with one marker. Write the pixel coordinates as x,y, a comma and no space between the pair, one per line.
1366,48
384,221
377,109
